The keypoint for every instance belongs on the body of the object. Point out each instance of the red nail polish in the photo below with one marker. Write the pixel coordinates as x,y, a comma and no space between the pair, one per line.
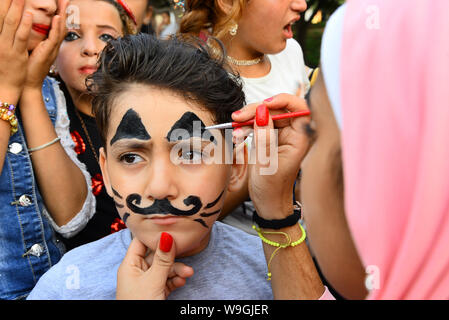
166,242
262,115
237,112
269,99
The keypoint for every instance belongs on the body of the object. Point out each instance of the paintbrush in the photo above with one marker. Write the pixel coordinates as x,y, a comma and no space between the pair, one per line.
230,125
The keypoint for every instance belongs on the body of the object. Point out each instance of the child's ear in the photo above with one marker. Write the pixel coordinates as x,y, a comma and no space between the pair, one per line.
239,171
104,172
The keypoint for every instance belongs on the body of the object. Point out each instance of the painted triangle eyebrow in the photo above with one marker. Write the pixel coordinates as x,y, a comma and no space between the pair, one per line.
130,127
186,122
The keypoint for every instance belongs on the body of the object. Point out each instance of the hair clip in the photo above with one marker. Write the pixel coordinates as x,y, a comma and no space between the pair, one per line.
179,4
128,10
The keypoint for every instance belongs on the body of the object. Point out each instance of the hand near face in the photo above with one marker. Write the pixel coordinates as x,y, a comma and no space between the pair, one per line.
271,183
153,276
43,56
15,28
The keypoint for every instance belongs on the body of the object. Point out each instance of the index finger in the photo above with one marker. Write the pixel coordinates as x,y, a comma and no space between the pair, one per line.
4,7
62,12
12,20
287,101
135,249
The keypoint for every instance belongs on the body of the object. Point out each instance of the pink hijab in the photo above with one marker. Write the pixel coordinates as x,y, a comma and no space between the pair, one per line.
395,139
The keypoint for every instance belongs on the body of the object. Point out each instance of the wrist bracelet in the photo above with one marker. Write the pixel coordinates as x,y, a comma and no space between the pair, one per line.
7,114
277,224
279,246
44,145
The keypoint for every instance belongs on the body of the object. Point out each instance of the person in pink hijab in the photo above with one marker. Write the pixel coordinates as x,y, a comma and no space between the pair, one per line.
386,72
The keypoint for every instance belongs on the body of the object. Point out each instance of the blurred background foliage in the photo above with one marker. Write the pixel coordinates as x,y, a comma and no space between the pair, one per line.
308,31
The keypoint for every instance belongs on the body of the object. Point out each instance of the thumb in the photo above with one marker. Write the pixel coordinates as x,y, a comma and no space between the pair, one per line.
163,260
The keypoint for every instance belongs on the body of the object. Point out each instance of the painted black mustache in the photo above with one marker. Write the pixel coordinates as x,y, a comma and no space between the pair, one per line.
163,206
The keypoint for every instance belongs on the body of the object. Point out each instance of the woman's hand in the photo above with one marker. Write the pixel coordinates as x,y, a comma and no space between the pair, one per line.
15,28
46,51
276,155
152,277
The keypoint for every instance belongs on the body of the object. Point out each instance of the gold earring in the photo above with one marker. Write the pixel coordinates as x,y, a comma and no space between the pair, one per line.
233,30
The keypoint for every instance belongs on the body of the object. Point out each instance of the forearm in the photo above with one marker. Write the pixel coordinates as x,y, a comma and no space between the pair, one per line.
293,272
5,128
61,182
4,138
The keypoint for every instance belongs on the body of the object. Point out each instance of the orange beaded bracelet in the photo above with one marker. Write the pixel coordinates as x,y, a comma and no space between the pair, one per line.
7,114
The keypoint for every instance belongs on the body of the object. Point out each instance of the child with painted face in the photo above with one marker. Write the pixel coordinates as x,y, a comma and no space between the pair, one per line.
152,102
94,23
36,157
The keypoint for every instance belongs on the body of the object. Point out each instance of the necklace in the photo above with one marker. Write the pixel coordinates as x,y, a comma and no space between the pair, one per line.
91,145
235,61
246,62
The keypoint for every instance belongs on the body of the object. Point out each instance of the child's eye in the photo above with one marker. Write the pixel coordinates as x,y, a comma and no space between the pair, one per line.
130,158
106,37
71,36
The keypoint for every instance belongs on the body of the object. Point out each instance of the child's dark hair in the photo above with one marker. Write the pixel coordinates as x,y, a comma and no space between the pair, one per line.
180,66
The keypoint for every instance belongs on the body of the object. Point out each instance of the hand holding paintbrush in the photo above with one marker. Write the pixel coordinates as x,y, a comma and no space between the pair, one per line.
272,193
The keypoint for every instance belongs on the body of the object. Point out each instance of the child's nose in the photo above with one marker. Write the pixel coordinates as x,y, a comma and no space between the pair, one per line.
48,6
299,5
90,48
162,182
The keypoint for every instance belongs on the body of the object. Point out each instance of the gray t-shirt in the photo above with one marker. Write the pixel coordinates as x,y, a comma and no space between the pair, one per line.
232,267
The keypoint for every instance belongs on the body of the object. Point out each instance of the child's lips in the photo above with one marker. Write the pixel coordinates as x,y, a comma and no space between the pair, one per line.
88,69
41,28
164,220
288,32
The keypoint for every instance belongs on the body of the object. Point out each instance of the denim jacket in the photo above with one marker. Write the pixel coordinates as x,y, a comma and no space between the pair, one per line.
28,243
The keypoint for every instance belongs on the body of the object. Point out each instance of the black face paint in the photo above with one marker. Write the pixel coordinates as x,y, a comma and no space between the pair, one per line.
186,124
116,193
206,214
125,217
131,127
201,221
118,205
213,203
163,206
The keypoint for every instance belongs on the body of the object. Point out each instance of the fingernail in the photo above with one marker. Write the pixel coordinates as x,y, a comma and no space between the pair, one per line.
269,99
262,115
236,113
166,242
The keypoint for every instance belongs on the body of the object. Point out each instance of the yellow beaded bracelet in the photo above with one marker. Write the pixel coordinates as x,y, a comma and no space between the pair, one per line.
7,114
279,246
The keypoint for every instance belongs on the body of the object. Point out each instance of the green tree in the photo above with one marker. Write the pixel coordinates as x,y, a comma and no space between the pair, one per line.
309,35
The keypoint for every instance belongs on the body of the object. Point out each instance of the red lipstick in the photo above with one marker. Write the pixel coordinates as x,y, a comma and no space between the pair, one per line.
41,28
87,69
